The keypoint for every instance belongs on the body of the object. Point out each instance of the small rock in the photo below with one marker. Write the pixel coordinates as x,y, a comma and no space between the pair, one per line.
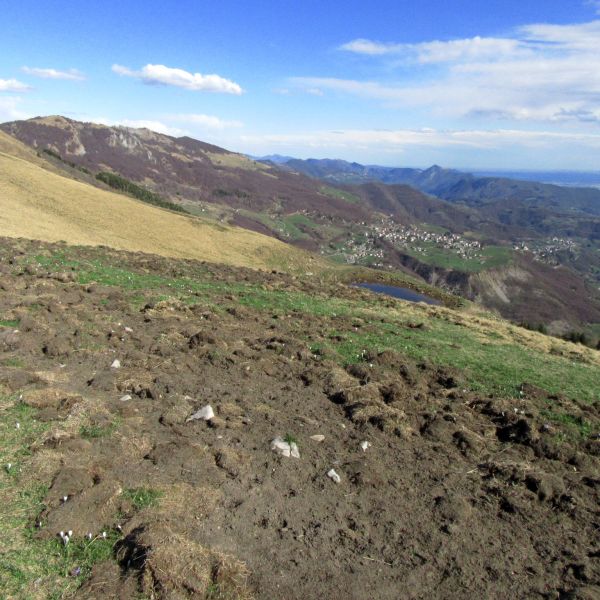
116,364
284,448
365,446
206,413
128,330
334,476
317,438
125,398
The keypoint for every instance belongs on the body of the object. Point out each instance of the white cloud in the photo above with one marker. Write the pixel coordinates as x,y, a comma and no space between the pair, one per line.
71,74
205,121
371,48
542,72
162,75
403,139
438,51
152,125
9,110
12,85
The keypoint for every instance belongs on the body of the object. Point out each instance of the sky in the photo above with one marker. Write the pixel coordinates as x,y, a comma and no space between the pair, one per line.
494,84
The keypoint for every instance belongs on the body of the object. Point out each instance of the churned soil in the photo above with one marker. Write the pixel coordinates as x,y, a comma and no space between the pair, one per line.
457,496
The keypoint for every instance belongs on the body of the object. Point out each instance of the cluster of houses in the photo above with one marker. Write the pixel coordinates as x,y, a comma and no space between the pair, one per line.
418,240
368,247
547,250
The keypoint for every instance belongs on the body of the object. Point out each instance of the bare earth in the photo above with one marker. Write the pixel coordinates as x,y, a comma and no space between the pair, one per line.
458,496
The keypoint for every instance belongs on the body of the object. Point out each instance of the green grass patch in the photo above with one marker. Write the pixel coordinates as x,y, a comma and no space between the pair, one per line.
491,257
576,426
290,439
492,368
490,363
341,194
13,362
32,568
142,497
12,323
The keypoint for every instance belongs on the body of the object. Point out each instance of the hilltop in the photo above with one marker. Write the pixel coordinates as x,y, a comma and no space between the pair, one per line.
471,424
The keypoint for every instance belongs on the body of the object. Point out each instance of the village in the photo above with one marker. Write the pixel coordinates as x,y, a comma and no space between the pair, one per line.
369,246
547,250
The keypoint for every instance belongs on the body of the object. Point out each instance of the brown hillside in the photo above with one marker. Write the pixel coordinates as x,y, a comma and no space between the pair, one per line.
39,204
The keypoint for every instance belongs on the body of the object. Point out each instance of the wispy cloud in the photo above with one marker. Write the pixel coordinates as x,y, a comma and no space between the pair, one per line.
162,75
205,121
151,124
12,85
542,72
9,109
595,4
70,75
437,51
402,139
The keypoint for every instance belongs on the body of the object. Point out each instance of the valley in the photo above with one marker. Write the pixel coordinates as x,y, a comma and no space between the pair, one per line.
496,246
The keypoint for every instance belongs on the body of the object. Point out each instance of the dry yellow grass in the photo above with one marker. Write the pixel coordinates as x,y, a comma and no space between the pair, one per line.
236,161
37,203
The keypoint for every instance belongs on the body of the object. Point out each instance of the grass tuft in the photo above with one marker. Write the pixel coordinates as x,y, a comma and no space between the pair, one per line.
89,432
143,497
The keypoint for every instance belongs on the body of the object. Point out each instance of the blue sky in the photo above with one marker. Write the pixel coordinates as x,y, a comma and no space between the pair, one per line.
495,84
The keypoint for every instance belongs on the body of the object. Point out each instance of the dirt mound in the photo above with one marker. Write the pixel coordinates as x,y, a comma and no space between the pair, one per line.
456,494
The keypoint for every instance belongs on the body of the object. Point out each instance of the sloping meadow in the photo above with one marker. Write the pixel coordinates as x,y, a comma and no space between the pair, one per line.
438,423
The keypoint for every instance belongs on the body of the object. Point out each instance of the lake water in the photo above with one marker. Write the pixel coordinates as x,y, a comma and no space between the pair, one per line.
397,292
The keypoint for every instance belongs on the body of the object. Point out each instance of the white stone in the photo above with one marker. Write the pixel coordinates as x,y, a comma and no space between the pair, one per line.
125,398
365,446
116,364
128,330
334,476
317,438
284,448
206,413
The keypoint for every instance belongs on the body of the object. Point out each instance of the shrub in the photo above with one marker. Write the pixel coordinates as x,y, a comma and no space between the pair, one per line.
136,191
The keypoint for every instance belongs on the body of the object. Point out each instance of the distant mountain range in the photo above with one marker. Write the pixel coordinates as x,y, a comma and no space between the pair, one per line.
454,186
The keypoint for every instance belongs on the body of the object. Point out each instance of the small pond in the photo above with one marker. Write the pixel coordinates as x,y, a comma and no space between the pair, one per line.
397,292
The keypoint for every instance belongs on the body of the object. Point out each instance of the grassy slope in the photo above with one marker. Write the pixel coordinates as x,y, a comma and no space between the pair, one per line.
494,356
39,204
